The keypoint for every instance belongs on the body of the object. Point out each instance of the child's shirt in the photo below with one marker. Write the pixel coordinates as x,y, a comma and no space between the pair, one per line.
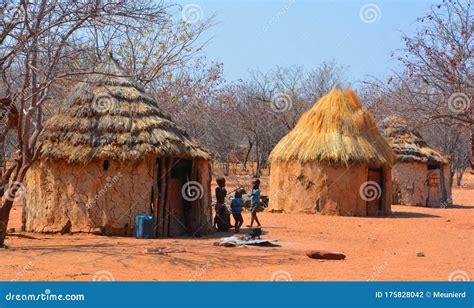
255,197
237,205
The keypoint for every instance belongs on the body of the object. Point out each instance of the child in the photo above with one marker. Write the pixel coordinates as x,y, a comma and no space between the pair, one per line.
237,205
256,207
222,218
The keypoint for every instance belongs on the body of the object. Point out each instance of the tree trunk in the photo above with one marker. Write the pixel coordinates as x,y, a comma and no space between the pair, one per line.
472,147
459,175
155,193
4,217
162,198
8,193
247,155
258,170
226,165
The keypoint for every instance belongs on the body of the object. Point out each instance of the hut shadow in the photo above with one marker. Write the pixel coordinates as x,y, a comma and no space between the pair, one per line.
401,214
65,248
220,234
462,207
191,259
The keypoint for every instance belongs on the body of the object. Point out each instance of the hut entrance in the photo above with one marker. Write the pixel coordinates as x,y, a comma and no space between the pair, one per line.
374,205
172,209
433,181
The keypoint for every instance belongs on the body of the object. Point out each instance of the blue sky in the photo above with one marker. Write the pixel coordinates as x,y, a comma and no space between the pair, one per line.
264,34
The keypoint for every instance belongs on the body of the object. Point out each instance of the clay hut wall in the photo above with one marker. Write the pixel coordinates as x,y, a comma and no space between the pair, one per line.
85,198
447,181
72,198
409,183
334,151
317,188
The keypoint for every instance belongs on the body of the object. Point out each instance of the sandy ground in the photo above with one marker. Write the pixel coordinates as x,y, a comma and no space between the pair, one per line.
376,249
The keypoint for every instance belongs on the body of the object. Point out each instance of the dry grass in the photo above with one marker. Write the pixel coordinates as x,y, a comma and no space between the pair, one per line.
111,117
336,131
408,144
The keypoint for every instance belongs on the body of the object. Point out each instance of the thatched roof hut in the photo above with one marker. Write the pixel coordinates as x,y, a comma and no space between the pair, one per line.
110,155
111,117
421,174
408,144
331,160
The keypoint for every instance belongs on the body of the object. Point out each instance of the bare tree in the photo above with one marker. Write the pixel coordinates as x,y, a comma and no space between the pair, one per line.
436,87
268,104
48,43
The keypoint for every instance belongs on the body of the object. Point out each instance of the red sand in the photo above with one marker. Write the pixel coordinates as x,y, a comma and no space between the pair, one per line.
375,249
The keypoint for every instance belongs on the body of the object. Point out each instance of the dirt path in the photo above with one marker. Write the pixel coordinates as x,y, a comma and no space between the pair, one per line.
376,249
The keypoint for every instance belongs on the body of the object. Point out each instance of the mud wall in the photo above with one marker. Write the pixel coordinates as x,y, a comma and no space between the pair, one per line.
447,182
317,188
86,198
410,185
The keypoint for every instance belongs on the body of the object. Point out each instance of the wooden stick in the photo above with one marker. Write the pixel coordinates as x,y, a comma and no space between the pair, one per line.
156,194
208,204
199,207
162,196
168,192
194,204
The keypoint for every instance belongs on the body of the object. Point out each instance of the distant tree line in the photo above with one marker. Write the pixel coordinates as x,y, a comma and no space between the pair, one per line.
47,46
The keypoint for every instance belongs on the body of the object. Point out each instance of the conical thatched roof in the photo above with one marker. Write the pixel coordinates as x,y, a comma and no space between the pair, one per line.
337,131
408,144
109,116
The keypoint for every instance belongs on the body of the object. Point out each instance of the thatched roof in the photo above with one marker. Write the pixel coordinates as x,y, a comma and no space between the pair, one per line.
109,116
408,144
337,131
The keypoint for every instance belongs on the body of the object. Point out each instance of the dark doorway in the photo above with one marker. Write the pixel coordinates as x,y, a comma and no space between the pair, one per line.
172,210
180,208
374,205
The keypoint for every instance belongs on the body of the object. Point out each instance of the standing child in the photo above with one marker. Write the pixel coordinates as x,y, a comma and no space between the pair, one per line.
256,207
222,218
237,205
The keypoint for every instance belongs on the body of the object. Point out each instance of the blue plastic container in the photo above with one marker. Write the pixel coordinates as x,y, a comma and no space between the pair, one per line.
144,226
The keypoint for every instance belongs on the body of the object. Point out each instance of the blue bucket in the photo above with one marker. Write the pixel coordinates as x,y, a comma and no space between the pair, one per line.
144,226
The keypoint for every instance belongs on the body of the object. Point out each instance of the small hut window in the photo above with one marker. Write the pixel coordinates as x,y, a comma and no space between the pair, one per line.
433,167
105,165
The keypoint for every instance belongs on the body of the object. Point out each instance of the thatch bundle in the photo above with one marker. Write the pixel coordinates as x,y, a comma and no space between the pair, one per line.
336,131
109,116
408,144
